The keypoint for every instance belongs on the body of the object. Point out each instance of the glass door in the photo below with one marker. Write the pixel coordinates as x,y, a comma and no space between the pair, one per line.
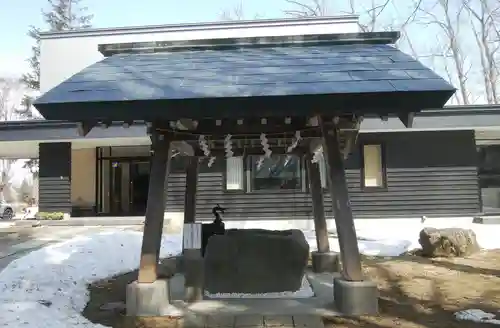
116,188
122,185
139,184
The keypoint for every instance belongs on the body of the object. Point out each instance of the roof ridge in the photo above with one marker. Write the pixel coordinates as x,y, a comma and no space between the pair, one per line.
381,38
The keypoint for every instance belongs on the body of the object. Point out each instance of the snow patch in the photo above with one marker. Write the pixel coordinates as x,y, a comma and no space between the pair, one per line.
305,291
59,274
476,315
48,288
388,238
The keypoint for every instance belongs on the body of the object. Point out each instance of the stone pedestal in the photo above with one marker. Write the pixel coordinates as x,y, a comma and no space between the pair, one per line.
148,299
325,262
354,298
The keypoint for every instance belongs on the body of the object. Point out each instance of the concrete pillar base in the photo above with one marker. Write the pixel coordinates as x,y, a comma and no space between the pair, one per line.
325,262
354,298
148,299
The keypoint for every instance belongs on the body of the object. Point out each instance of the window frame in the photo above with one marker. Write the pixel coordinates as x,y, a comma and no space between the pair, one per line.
251,189
383,160
244,188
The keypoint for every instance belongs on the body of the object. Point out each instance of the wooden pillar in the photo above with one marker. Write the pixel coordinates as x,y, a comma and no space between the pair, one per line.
190,193
153,225
320,225
192,240
349,251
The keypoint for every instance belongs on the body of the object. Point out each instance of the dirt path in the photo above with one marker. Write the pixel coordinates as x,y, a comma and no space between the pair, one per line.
417,292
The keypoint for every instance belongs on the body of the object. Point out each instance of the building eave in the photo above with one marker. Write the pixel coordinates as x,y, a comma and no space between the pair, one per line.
55,131
483,109
172,28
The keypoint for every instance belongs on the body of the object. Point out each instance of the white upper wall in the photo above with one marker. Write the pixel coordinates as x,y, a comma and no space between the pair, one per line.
63,54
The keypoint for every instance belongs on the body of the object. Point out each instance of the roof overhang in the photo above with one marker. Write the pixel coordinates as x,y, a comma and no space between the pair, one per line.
298,76
20,139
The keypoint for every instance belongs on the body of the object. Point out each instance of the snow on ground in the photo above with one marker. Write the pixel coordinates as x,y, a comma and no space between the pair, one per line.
395,238
60,273
476,315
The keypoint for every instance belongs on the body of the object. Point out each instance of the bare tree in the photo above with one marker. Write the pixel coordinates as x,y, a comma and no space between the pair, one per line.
447,16
370,16
236,13
308,8
11,92
452,25
486,31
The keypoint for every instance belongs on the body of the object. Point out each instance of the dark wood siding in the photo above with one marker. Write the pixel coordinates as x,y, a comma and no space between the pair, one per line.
55,177
428,173
241,205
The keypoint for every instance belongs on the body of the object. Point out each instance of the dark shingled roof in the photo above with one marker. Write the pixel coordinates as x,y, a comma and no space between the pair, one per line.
364,75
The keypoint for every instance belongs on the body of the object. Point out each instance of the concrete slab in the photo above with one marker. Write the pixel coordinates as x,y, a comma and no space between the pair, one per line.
278,321
249,321
307,321
322,304
220,321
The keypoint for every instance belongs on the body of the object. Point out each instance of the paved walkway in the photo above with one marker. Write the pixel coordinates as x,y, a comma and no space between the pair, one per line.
28,239
251,321
16,242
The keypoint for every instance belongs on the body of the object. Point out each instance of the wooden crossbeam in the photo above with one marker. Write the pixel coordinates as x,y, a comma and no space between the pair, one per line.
245,128
254,126
252,151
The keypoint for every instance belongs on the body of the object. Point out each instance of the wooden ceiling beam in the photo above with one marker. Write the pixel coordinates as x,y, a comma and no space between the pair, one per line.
299,151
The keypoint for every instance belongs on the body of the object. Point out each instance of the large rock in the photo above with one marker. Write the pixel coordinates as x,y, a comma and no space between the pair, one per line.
449,242
255,261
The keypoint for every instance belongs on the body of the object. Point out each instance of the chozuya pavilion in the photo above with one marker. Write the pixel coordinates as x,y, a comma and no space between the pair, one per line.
300,94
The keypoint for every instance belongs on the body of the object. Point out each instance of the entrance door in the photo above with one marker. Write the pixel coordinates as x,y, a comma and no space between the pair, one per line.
118,185
139,184
124,188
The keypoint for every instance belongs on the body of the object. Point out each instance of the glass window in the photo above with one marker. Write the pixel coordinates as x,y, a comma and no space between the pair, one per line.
373,167
234,173
276,172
